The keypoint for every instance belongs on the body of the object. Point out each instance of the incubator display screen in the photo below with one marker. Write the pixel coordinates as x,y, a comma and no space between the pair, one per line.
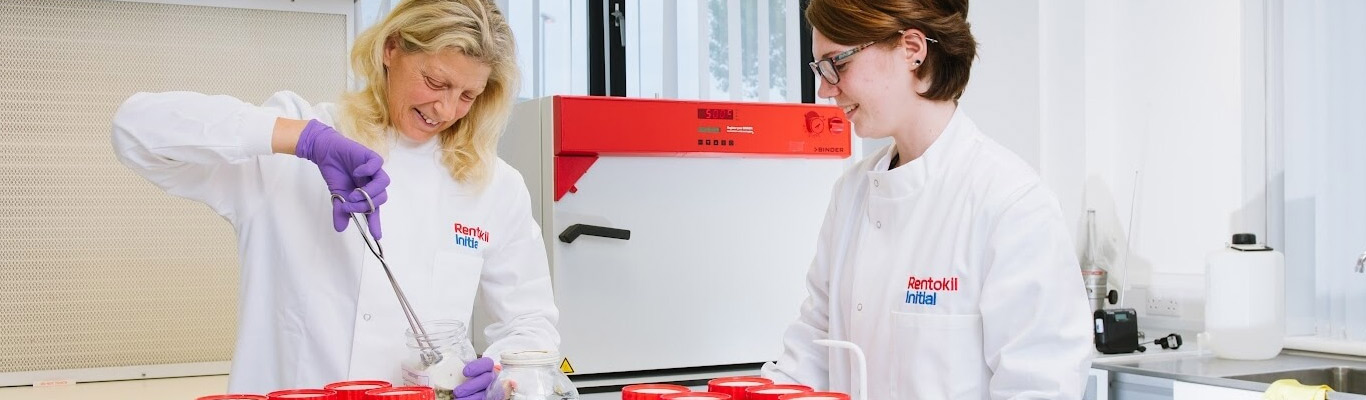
715,113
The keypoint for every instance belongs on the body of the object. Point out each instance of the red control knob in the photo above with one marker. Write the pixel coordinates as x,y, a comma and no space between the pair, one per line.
814,123
837,125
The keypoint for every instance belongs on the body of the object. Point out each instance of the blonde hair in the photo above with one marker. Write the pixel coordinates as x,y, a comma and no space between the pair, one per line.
473,27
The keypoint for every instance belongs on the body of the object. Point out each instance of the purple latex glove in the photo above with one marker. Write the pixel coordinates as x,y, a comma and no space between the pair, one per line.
481,373
345,166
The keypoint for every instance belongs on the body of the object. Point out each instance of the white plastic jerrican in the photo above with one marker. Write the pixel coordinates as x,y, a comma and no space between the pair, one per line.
1245,302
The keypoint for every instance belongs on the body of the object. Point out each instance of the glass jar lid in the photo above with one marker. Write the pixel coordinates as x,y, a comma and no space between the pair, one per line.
530,358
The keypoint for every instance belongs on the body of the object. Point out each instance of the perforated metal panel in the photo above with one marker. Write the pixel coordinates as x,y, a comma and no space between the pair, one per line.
98,268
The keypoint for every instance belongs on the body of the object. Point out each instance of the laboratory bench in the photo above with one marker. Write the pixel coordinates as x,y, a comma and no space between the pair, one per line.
1198,374
1181,374
168,389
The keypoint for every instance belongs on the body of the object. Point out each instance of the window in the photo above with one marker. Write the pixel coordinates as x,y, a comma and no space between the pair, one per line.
686,49
740,50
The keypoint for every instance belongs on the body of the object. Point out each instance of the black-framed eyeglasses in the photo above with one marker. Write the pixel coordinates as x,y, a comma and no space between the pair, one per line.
826,67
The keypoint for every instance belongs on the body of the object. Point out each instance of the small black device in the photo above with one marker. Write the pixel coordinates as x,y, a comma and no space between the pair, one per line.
1171,342
1116,330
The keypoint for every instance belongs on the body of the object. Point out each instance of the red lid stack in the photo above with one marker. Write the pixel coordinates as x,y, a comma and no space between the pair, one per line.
735,386
233,397
650,392
772,392
401,393
313,394
696,396
355,390
815,396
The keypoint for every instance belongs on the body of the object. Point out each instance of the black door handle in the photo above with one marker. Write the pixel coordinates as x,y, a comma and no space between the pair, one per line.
576,230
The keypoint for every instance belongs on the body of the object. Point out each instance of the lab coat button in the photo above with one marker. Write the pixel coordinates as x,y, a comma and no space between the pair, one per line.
859,307
875,183
365,317
878,224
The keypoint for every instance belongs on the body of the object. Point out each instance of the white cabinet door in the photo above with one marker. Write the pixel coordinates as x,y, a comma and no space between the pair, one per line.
1192,391
1097,385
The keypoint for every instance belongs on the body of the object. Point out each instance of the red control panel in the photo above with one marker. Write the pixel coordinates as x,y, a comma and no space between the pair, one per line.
595,125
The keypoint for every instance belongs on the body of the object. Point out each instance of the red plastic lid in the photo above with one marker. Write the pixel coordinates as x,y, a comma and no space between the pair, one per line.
650,392
815,396
320,394
355,390
773,392
735,386
696,396
233,397
401,393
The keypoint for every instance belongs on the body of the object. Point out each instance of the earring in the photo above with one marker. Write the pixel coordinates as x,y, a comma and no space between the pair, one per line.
917,63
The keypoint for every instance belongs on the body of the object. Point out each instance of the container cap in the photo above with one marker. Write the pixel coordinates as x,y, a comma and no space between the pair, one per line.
233,397
697,396
815,396
355,390
773,392
531,357
401,393
735,386
318,394
651,391
1244,238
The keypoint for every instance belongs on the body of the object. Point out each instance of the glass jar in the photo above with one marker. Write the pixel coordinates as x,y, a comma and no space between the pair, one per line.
531,375
448,339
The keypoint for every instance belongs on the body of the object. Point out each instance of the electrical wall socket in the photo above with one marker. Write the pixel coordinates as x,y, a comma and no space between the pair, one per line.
1160,306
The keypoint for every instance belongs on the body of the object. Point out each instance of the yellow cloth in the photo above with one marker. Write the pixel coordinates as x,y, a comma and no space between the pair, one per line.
1290,389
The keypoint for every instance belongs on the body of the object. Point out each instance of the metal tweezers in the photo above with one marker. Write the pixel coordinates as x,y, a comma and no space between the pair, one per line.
429,354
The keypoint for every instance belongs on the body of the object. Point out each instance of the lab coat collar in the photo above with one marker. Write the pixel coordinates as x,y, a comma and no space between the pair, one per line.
914,175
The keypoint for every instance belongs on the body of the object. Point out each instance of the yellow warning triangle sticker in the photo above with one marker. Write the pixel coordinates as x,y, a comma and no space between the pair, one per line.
565,367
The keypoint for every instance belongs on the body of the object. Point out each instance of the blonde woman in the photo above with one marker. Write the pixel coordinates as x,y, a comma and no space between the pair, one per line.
419,142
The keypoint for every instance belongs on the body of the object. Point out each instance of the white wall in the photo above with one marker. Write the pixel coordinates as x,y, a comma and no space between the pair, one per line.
1169,103
1092,92
1003,92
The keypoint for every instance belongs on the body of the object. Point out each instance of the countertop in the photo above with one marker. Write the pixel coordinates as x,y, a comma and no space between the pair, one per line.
141,389
165,389
1201,367
1188,364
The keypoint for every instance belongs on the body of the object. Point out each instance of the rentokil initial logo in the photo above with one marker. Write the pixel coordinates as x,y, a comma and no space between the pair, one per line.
925,291
470,236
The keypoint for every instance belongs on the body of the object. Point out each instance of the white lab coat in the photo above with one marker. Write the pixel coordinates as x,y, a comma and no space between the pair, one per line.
315,306
955,275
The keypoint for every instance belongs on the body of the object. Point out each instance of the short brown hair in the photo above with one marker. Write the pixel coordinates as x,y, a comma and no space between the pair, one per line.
948,62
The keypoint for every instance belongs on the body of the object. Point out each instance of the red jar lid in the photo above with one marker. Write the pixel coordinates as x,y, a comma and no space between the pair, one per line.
401,393
317,394
815,396
355,390
233,397
735,386
772,392
650,392
696,396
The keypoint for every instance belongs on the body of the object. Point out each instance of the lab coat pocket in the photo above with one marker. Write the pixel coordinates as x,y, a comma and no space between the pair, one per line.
938,356
455,278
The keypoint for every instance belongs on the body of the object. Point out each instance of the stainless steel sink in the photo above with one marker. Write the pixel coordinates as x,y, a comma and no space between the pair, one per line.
1342,379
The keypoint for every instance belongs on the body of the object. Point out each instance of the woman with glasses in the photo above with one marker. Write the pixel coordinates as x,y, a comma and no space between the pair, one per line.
943,256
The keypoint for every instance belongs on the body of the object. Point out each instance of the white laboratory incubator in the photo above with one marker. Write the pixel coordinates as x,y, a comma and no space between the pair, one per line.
679,232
